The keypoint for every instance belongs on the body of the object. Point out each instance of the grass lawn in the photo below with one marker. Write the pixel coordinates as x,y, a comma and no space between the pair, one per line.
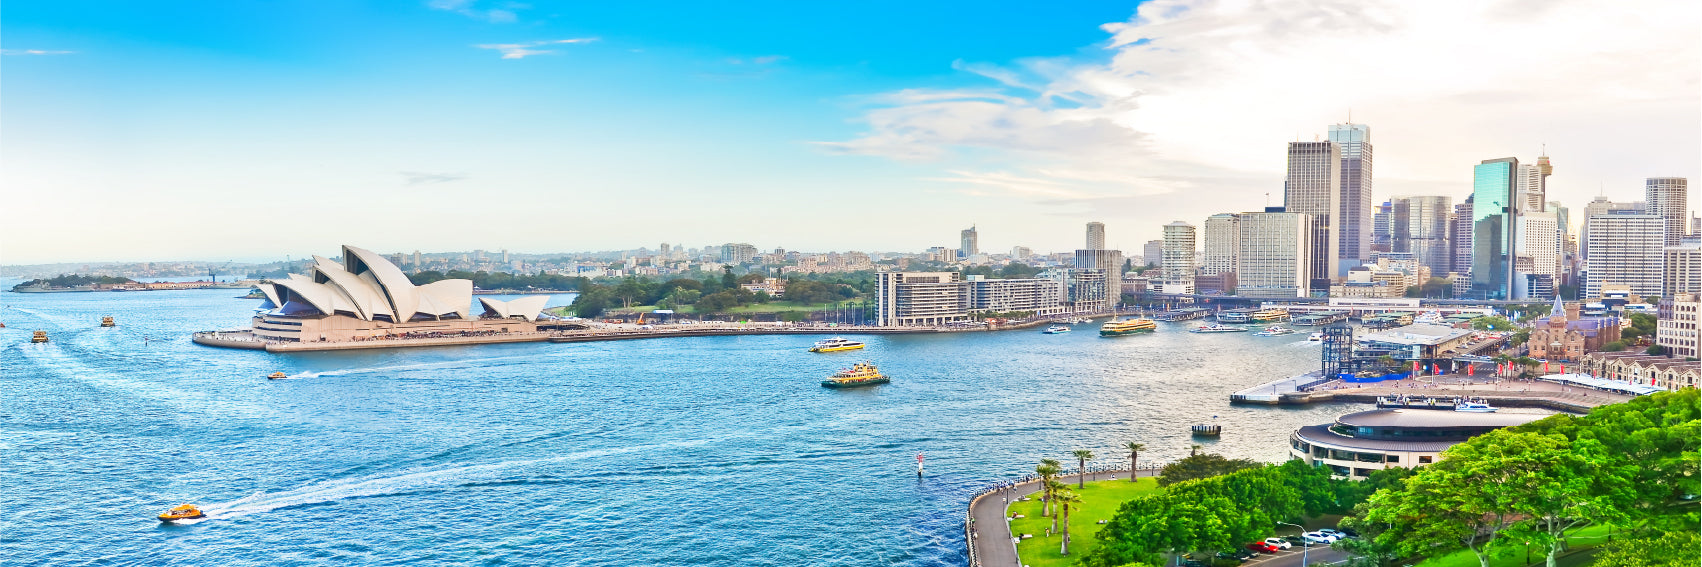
1583,538
1099,502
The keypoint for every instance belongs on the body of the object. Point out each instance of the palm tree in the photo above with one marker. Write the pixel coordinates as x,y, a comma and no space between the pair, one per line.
1067,500
1047,469
1057,488
1195,449
1134,454
1082,457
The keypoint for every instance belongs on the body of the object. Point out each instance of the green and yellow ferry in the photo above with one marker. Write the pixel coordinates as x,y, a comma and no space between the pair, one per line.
860,374
1116,328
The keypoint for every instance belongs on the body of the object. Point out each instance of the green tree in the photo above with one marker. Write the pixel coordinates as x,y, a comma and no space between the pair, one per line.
1047,469
1082,457
1656,350
629,290
728,280
1614,346
1134,455
1055,488
1201,465
1066,501
1570,485
1459,501
1670,548
1492,323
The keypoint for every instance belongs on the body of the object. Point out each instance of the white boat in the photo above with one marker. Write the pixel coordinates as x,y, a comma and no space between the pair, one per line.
1475,407
1275,331
1317,338
1056,329
1217,328
835,344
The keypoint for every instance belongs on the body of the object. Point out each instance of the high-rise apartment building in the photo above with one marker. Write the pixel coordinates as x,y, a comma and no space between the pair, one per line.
920,298
969,243
1460,239
1420,226
1110,264
1383,227
1494,227
1095,236
1601,206
1313,188
1353,219
1222,238
1681,269
1537,255
1271,260
737,253
1152,254
1625,250
1179,246
1666,198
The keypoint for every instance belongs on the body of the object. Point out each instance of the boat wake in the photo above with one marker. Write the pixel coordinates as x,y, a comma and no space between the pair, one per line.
469,363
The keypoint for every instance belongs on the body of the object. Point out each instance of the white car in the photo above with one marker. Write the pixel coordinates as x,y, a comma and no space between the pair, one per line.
1338,534
1318,538
1279,542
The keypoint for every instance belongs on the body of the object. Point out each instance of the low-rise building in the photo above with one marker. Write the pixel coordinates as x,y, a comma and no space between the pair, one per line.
1676,325
1644,369
920,298
1567,334
1358,444
1418,342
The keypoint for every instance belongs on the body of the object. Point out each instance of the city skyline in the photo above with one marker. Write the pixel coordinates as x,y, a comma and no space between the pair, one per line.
134,133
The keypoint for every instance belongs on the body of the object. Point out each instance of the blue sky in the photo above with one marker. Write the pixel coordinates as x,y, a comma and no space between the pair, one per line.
137,130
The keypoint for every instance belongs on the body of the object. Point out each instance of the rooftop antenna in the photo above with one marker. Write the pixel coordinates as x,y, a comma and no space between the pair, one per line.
1267,199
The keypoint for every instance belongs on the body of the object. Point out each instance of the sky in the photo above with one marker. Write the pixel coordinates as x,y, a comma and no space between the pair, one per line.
249,130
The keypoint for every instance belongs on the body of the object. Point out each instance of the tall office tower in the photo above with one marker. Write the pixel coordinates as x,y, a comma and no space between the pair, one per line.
1494,227
1353,220
1625,249
1666,198
664,251
1601,206
1537,252
1095,236
1420,226
416,259
970,243
1152,254
1383,228
1271,257
1532,188
1222,238
1681,270
1108,264
1563,242
1179,245
1460,237
1313,188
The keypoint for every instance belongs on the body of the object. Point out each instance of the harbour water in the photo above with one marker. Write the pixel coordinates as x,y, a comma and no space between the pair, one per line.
699,451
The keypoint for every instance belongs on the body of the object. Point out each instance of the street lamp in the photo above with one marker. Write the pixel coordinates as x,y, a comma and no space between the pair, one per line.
1305,544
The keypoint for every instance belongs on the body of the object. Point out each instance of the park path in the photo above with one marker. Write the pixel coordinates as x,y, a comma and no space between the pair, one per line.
990,533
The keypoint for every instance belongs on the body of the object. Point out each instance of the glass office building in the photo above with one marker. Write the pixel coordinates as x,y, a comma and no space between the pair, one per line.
1493,226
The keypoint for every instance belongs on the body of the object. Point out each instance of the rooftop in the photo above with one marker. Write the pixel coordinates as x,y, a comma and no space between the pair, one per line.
1426,418
1417,334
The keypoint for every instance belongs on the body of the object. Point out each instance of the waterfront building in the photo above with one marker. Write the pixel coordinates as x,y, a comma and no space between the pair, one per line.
1109,266
1042,296
1567,335
1420,226
1372,281
1494,228
1681,269
1179,245
969,243
1666,198
1625,249
1271,259
367,296
920,298
1659,371
1353,218
1085,290
1676,328
1222,238
1419,342
1358,444
1152,253
1313,188
1095,236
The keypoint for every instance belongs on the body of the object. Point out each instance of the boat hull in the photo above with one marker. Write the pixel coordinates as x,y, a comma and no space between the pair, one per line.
830,383
836,349
1125,333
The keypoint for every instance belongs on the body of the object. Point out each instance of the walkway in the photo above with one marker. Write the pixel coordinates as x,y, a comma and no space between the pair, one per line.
990,534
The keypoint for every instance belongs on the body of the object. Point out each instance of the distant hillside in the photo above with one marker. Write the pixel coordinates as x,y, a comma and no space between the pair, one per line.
73,280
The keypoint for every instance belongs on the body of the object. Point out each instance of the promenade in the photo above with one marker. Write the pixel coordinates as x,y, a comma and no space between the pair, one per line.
1503,392
990,541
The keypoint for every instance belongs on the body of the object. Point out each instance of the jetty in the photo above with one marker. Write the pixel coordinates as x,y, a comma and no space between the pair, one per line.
1184,314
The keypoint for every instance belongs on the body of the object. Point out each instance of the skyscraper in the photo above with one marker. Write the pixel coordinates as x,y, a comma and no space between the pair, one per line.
1537,255
1271,255
1460,237
1681,270
1095,236
1313,188
1597,207
1532,185
1222,238
1179,246
1494,225
1353,219
969,243
1420,226
1383,228
1625,249
1152,254
1666,198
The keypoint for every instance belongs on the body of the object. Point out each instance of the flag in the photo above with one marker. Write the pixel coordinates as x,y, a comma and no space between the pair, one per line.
1416,367
1562,369
1470,368
1545,366
1435,368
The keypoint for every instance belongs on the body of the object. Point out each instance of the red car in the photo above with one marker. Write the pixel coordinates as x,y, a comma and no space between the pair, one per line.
1262,547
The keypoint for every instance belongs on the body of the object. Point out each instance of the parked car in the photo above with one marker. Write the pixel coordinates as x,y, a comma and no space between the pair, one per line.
1329,532
1262,547
1230,556
1244,554
1316,538
1193,563
1350,532
1278,542
1294,539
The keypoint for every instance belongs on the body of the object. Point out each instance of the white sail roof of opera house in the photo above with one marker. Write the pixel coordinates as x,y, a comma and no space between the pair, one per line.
370,287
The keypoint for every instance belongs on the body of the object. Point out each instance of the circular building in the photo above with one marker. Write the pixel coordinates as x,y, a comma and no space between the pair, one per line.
1359,443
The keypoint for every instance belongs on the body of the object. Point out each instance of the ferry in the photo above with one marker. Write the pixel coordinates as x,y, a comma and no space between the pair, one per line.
860,374
1315,338
1475,407
1275,331
107,321
1268,315
835,344
1127,327
183,512
277,376
1233,316
1056,329
1217,328
39,337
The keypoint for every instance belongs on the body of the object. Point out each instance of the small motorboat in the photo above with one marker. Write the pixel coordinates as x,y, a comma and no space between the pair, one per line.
1275,331
182,512
277,376
1315,338
107,321
1056,329
1217,328
1475,407
39,337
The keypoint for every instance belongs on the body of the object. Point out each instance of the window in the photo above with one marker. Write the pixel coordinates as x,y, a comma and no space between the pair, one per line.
1424,459
1361,472
1394,458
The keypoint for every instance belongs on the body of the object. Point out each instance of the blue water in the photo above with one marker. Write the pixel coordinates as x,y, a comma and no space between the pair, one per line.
699,451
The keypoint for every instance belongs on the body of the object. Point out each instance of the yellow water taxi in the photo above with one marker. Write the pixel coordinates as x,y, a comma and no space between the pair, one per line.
277,376
1127,327
182,512
39,337
835,344
860,374
108,321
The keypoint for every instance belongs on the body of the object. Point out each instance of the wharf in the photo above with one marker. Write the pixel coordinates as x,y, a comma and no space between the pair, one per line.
1499,393
1183,314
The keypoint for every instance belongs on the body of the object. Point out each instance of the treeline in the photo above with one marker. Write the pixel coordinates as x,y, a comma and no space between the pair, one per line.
73,280
709,295
503,280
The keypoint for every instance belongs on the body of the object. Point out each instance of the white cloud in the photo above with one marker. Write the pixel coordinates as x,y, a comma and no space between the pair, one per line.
34,52
469,8
522,50
1200,97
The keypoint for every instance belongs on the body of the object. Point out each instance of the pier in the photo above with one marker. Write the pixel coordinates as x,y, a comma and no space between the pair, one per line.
1320,318
1184,314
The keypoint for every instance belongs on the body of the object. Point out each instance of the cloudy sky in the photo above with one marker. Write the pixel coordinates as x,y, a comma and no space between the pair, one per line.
252,130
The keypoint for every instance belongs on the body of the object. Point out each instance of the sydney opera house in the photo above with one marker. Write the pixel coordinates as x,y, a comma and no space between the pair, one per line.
367,297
